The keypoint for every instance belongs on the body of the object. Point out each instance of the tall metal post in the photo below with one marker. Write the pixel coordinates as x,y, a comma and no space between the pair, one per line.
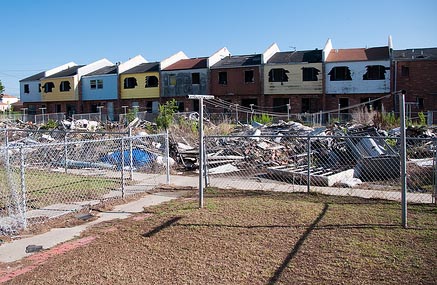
131,158
288,112
309,164
122,168
100,112
236,112
23,188
167,156
403,155
65,153
201,145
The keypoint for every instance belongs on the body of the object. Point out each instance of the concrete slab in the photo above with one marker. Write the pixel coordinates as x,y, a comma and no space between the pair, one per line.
53,211
16,249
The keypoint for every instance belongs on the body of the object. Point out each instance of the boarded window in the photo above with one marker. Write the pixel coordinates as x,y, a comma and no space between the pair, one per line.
340,73
151,81
172,80
65,86
99,84
278,75
130,82
310,74
195,78
48,87
223,77
405,70
248,76
26,88
374,72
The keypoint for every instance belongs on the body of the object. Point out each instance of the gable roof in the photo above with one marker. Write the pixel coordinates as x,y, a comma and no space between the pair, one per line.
296,56
359,54
238,61
143,67
104,70
191,63
416,54
34,77
66,72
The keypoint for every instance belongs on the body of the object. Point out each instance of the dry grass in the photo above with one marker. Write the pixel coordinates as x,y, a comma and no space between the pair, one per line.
244,237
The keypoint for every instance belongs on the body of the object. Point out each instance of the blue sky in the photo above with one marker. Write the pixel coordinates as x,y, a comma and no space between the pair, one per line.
39,35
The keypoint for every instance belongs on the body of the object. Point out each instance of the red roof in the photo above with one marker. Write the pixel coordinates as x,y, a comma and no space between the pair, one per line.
358,54
191,63
7,96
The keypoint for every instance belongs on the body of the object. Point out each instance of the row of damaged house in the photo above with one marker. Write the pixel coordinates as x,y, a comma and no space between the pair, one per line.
296,81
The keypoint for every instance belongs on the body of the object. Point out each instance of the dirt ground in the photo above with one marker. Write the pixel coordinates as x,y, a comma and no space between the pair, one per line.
245,237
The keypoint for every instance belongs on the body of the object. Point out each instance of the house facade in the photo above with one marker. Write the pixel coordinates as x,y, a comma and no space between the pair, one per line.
355,76
294,80
415,70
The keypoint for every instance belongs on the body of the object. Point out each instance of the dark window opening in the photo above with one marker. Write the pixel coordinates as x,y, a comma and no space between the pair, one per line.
26,88
195,78
223,78
374,72
248,76
93,84
58,108
278,75
340,73
48,87
130,82
151,81
149,105
196,105
39,87
64,86
280,105
309,105
405,70
99,84
181,107
248,102
310,74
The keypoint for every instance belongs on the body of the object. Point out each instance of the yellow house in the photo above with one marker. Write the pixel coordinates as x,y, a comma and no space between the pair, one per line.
61,86
141,81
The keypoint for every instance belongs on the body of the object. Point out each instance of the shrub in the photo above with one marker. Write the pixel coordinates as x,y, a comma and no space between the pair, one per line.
166,113
262,119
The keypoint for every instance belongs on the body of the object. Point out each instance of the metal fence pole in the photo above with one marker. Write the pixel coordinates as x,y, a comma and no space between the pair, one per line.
403,156
435,170
23,188
167,157
122,168
309,164
65,153
131,158
201,153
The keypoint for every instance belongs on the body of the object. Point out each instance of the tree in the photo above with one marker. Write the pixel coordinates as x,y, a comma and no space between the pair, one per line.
166,112
2,88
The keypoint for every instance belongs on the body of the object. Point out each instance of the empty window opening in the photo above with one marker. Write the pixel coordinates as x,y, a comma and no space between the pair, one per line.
309,105
195,78
58,108
223,77
278,75
340,73
420,103
374,72
172,80
181,107
48,87
405,70
151,81
248,76
39,87
130,82
26,88
149,106
310,74
248,102
64,86
280,105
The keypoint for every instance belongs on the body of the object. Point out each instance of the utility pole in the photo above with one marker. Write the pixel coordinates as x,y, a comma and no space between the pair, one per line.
201,145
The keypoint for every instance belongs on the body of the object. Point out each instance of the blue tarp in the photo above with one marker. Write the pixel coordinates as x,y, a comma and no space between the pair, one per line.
139,158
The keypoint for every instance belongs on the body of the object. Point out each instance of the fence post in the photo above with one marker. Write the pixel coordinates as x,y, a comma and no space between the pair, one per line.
122,168
131,158
435,170
429,118
23,188
65,153
403,156
167,157
205,164
309,164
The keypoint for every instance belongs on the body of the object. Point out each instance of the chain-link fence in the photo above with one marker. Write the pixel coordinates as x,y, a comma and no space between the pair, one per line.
45,175
362,166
